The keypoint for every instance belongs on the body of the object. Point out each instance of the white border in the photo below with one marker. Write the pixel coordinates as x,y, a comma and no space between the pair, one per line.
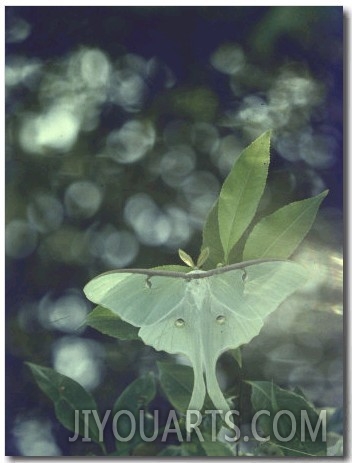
177,3
347,129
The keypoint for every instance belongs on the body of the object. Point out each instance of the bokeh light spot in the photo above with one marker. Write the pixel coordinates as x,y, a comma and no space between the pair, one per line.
20,239
151,225
17,30
34,437
45,213
82,199
120,248
67,313
228,58
131,142
55,130
80,359
176,164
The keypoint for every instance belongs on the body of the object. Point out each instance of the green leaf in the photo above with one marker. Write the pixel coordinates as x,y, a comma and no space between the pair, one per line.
171,451
107,322
269,397
186,258
68,396
217,449
269,449
134,398
335,445
211,239
145,449
279,234
203,256
186,449
241,192
237,355
137,395
177,384
190,449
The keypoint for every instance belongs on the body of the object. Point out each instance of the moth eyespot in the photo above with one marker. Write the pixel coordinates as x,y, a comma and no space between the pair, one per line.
148,283
220,319
179,323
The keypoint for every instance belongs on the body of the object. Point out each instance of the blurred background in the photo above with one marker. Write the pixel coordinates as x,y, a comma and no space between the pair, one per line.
121,125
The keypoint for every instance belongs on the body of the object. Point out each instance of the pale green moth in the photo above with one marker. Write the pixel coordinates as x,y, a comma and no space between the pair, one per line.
199,314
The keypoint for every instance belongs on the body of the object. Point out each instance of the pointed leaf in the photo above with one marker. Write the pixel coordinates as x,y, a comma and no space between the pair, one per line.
203,256
107,322
171,451
241,192
279,234
187,259
237,355
211,239
217,449
186,449
68,396
137,395
177,383
267,396
268,449
335,445
134,398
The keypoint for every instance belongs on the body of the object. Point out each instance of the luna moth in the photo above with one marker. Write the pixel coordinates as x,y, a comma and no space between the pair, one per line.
199,314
